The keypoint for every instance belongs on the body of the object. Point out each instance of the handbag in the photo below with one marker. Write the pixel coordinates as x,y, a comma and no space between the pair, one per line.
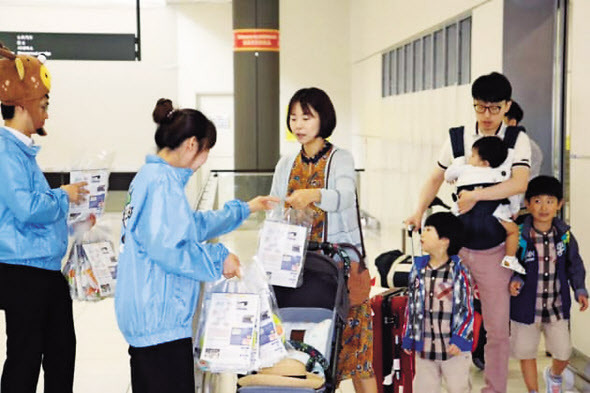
359,278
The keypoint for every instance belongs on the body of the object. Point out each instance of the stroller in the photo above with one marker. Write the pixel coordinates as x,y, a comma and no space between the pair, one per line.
322,299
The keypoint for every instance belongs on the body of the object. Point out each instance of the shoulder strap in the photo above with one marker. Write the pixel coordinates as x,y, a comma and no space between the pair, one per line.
457,141
511,135
358,212
328,170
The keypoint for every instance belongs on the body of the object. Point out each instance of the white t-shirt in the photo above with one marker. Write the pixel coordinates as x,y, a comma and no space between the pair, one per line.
461,174
519,156
465,175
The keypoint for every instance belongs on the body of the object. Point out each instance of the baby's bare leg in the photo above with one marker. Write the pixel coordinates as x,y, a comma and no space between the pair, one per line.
511,237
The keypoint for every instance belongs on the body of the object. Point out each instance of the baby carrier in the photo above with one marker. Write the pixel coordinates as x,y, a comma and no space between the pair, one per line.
483,230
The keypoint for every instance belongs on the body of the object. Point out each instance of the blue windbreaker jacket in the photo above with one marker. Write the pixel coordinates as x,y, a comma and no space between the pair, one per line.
33,228
163,258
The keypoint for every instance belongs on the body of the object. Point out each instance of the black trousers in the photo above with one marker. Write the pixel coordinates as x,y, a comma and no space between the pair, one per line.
163,368
39,330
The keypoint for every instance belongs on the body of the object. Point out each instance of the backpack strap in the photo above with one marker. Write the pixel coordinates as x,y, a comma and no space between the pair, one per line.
457,141
511,135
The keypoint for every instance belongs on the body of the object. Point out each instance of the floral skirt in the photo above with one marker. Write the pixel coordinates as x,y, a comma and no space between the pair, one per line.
356,356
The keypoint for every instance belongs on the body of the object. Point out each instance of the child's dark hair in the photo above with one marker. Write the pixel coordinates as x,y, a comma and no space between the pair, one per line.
544,185
321,103
493,87
177,125
491,149
515,112
448,226
7,111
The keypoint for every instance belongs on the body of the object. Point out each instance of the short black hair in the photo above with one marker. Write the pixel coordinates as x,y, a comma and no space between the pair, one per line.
448,226
7,111
493,87
491,149
321,103
544,185
515,112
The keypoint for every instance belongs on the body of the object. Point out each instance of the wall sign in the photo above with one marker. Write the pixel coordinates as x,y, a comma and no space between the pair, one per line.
256,40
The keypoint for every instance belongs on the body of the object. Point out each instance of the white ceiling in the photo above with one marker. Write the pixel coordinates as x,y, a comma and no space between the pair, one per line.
102,3
79,3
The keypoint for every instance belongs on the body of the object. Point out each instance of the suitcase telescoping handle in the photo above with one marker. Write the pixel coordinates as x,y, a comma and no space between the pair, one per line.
410,231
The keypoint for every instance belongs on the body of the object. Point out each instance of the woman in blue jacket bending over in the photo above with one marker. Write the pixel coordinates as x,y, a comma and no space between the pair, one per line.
163,257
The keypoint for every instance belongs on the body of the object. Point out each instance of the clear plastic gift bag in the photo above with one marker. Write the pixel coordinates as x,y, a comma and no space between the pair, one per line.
91,267
271,332
239,328
94,169
282,245
227,327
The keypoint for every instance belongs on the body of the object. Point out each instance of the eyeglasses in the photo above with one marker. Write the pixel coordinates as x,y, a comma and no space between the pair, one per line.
494,109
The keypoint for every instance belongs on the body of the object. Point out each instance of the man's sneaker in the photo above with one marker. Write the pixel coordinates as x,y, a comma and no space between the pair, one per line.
552,383
510,262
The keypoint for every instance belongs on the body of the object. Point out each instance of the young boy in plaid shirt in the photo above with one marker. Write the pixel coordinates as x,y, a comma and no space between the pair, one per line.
541,299
439,316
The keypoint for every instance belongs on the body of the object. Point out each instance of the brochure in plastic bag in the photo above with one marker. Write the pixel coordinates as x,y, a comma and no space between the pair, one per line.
282,245
239,328
91,267
271,333
95,171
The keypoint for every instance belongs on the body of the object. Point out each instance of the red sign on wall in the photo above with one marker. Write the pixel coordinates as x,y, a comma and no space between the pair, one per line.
256,40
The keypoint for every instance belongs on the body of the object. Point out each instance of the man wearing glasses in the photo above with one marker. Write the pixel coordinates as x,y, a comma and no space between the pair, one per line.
491,100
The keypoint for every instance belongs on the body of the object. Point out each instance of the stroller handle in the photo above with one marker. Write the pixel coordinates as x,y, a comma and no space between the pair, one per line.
323,246
332,249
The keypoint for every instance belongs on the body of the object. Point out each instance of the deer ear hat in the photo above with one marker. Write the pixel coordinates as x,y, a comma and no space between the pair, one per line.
24,81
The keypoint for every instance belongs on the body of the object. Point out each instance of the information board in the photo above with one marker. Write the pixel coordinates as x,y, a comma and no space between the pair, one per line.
72,46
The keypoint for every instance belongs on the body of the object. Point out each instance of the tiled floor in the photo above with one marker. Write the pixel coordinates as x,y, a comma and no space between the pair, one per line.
102,361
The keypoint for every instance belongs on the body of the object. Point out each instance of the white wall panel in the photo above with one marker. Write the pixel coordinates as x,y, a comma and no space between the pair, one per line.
403,133
315,51
578,102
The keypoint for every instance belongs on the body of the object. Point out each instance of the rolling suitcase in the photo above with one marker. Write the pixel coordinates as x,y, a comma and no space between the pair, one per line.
394,369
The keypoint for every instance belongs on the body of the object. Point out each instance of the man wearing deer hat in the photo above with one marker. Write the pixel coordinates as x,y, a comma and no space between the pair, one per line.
33,238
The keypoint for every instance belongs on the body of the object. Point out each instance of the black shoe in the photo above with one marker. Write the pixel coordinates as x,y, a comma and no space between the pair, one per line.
479,363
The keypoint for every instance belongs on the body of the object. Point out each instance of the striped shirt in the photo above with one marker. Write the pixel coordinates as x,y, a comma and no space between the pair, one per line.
548,306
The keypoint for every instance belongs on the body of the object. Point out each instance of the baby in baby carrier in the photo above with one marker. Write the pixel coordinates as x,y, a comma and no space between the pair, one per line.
483,169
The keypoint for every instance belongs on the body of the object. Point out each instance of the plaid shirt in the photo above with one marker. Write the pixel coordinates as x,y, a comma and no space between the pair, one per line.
548,307
438,307
421,324
569,269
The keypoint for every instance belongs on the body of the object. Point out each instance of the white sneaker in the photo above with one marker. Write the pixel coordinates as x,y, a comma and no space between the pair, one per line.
512,263
553,385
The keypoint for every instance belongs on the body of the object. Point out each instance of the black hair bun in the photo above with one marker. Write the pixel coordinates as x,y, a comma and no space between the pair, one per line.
161,113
